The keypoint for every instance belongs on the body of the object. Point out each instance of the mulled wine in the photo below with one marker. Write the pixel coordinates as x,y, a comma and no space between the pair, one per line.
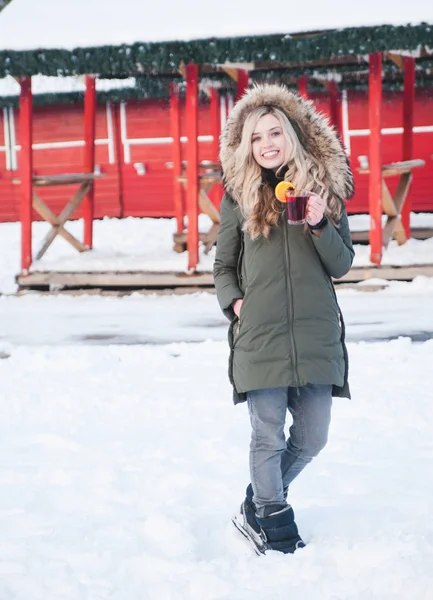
296,209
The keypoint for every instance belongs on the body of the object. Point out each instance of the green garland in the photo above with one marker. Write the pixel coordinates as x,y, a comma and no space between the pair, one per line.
161,92
165,57
120,61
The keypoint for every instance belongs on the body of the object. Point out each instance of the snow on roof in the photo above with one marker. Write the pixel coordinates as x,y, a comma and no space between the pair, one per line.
30,24
57,85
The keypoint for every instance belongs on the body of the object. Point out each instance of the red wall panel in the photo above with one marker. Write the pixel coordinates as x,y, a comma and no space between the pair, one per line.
147,121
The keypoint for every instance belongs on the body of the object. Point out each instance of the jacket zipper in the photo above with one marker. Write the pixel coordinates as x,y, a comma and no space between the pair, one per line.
289,288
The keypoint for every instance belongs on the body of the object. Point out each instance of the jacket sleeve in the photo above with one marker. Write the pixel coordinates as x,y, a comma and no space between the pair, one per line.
226,258
335,248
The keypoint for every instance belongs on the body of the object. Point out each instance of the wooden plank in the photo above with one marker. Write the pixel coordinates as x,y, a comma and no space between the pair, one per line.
204,178
63,179
208,208
403,273
387,201
211,238
144,280
399,232
417,233
394,226
396,168
115,279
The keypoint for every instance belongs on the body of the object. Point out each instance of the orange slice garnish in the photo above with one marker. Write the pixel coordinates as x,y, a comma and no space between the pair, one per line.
281,189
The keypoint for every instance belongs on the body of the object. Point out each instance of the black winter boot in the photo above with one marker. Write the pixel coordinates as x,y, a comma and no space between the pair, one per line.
245,521
279,530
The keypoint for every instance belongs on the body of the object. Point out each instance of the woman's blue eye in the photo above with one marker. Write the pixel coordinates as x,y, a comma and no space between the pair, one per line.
276,133
255,139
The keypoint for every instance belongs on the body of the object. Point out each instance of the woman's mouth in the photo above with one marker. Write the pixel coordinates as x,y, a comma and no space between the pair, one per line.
270,154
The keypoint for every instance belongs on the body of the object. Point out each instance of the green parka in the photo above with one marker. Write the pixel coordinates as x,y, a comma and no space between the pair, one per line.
290,331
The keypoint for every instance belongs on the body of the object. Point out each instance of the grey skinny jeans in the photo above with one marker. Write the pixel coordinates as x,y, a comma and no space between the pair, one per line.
275,461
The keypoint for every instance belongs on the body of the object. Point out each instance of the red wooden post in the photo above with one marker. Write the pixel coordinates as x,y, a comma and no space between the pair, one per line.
408,112
242,83
375,158
192,163
177,156
26,171
118,154
302,86
215,118
335,108
89,155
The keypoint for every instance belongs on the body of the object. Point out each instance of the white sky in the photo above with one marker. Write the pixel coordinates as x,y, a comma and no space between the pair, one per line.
26,24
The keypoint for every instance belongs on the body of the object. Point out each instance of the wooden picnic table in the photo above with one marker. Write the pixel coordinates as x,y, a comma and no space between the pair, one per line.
392,206
57,222
209,175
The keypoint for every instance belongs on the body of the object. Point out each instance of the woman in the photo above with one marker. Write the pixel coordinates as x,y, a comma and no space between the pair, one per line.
273,281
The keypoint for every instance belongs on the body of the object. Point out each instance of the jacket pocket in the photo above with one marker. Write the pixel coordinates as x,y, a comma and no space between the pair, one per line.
231,340
240,264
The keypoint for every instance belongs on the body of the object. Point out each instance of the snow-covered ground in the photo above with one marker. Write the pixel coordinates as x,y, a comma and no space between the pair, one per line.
134,244
402,309
123,458
122,463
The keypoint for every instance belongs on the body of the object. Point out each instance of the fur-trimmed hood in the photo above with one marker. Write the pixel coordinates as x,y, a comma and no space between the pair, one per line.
314,130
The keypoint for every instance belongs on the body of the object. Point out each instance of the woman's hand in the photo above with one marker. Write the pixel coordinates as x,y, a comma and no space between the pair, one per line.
237,306
315,208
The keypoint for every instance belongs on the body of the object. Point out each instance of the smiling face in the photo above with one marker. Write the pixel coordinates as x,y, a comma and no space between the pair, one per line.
268,142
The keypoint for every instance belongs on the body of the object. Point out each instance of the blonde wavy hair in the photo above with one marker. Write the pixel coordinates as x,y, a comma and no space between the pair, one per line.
259,206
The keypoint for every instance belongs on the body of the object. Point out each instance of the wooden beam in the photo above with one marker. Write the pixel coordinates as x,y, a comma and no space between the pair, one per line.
89,155
215,118
26,170
231,72
177,156
182,69
397,59
335,107
66,214
375,156
167,280
408,122
58,227
192,163
243,81
118,153
303,86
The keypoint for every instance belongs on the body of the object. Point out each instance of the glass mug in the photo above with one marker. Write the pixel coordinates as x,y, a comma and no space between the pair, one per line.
296,206
295,201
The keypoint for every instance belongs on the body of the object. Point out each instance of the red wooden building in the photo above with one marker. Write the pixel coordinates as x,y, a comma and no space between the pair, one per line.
134,148
381,106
